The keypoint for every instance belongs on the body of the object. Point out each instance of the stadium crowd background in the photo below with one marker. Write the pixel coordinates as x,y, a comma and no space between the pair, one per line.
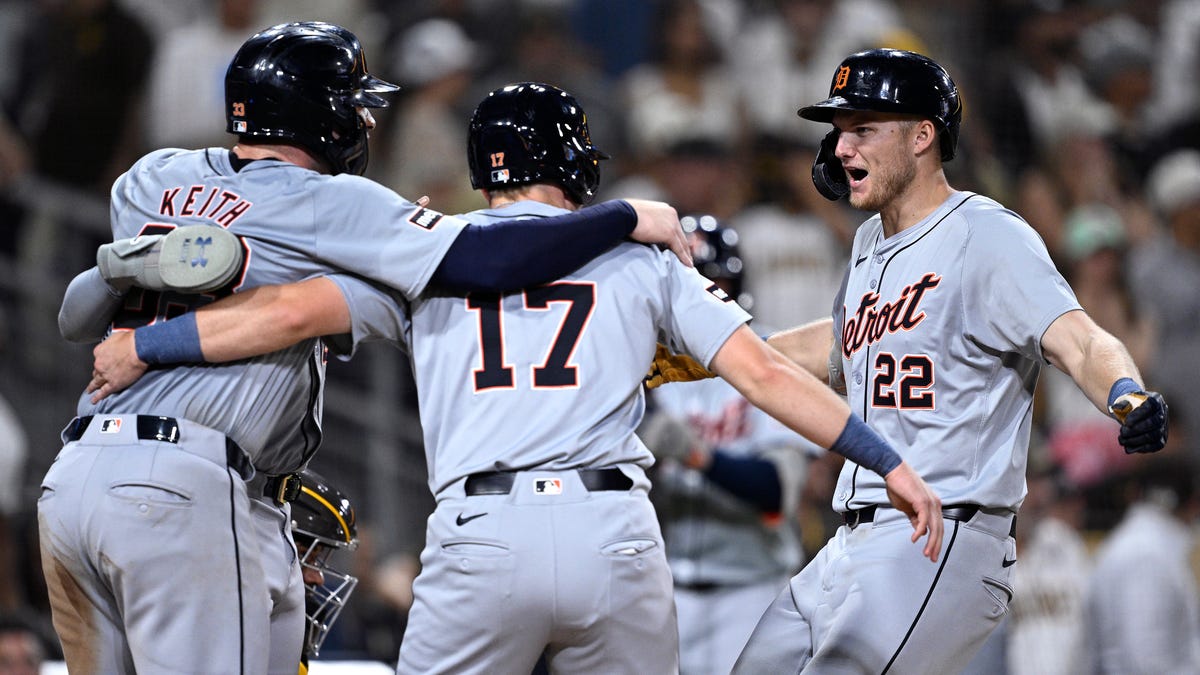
1083,116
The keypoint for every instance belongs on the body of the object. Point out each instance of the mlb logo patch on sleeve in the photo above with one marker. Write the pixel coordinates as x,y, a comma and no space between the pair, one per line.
425,218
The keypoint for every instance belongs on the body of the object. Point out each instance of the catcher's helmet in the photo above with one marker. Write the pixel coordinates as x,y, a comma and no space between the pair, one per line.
716,256
322,520
893,80
304,83
533,133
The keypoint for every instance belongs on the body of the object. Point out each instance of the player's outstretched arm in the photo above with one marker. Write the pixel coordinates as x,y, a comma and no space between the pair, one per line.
1107,375
807,345
802,402
258,321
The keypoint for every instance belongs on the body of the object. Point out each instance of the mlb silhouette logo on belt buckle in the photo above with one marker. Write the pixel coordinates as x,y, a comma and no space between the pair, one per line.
547,486
111,425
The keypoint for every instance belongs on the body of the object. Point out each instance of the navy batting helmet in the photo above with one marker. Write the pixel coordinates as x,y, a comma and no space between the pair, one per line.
304,83
533,133
715,254
322,521
893,80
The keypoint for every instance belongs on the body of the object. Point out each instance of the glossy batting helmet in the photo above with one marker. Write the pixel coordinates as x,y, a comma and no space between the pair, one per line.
304,83
533,133
322,521
716,256
893,80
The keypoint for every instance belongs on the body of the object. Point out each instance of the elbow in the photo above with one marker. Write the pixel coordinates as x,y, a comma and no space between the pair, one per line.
766,375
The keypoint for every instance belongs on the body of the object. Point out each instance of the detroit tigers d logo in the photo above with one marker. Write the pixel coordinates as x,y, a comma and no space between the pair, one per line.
842,78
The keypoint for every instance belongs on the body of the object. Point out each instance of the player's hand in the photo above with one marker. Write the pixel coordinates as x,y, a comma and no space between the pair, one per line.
116,365
658,223
916,499
1143,418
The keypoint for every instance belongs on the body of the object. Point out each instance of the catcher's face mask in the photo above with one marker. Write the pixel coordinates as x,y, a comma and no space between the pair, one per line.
324,600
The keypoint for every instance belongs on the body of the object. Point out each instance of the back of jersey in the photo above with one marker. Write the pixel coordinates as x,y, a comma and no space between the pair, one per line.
550,377
294,224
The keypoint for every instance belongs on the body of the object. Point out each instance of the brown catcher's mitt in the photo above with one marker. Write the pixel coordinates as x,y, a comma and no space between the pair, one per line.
669,367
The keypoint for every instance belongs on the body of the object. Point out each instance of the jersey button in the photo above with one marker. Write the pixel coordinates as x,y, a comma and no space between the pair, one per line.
874,283
878,258
858,378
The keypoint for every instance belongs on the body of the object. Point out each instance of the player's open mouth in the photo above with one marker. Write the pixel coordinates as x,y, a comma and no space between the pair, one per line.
856,175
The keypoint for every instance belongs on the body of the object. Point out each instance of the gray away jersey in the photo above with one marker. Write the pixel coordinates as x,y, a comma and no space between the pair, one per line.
551,377
939,329
295,224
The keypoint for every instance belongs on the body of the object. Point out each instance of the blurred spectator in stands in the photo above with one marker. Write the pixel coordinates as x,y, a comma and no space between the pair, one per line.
187,83
23,645
1177,69
1165,275
788,51
434,61
81,70
543,51
1118,65
685,90
695,174
1082,439
1037,91
621,33
14,498
1143,605
794,240
1045,627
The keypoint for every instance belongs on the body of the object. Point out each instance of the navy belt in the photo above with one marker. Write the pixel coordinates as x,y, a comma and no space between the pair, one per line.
501,482
959,512
166,429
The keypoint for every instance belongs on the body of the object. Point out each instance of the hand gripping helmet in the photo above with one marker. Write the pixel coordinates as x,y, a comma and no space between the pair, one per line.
715,254
322,521
304,83
884,80
533,133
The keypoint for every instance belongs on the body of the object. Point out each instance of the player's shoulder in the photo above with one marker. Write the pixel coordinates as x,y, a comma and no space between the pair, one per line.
982,212
991,228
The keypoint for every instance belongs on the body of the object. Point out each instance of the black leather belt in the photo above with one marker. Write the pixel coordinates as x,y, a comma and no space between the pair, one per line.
960,512
165,429
280,489
699,586
501,482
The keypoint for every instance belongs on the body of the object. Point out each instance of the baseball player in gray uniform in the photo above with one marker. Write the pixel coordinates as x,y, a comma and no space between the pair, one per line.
727,487
949,308
543,540
158,555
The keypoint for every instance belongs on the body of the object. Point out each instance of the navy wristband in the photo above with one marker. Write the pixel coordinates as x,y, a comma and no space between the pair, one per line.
1121,387
861,445
174,341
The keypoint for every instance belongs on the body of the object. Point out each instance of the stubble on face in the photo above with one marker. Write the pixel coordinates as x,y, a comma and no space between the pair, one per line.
891,173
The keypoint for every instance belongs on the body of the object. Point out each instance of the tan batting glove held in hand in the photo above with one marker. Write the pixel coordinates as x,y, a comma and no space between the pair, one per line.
1126,404
670,367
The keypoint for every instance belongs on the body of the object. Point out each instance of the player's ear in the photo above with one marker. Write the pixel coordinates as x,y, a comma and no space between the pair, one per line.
924,136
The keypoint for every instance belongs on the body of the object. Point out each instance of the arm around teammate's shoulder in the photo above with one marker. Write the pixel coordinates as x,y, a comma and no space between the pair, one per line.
514,254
